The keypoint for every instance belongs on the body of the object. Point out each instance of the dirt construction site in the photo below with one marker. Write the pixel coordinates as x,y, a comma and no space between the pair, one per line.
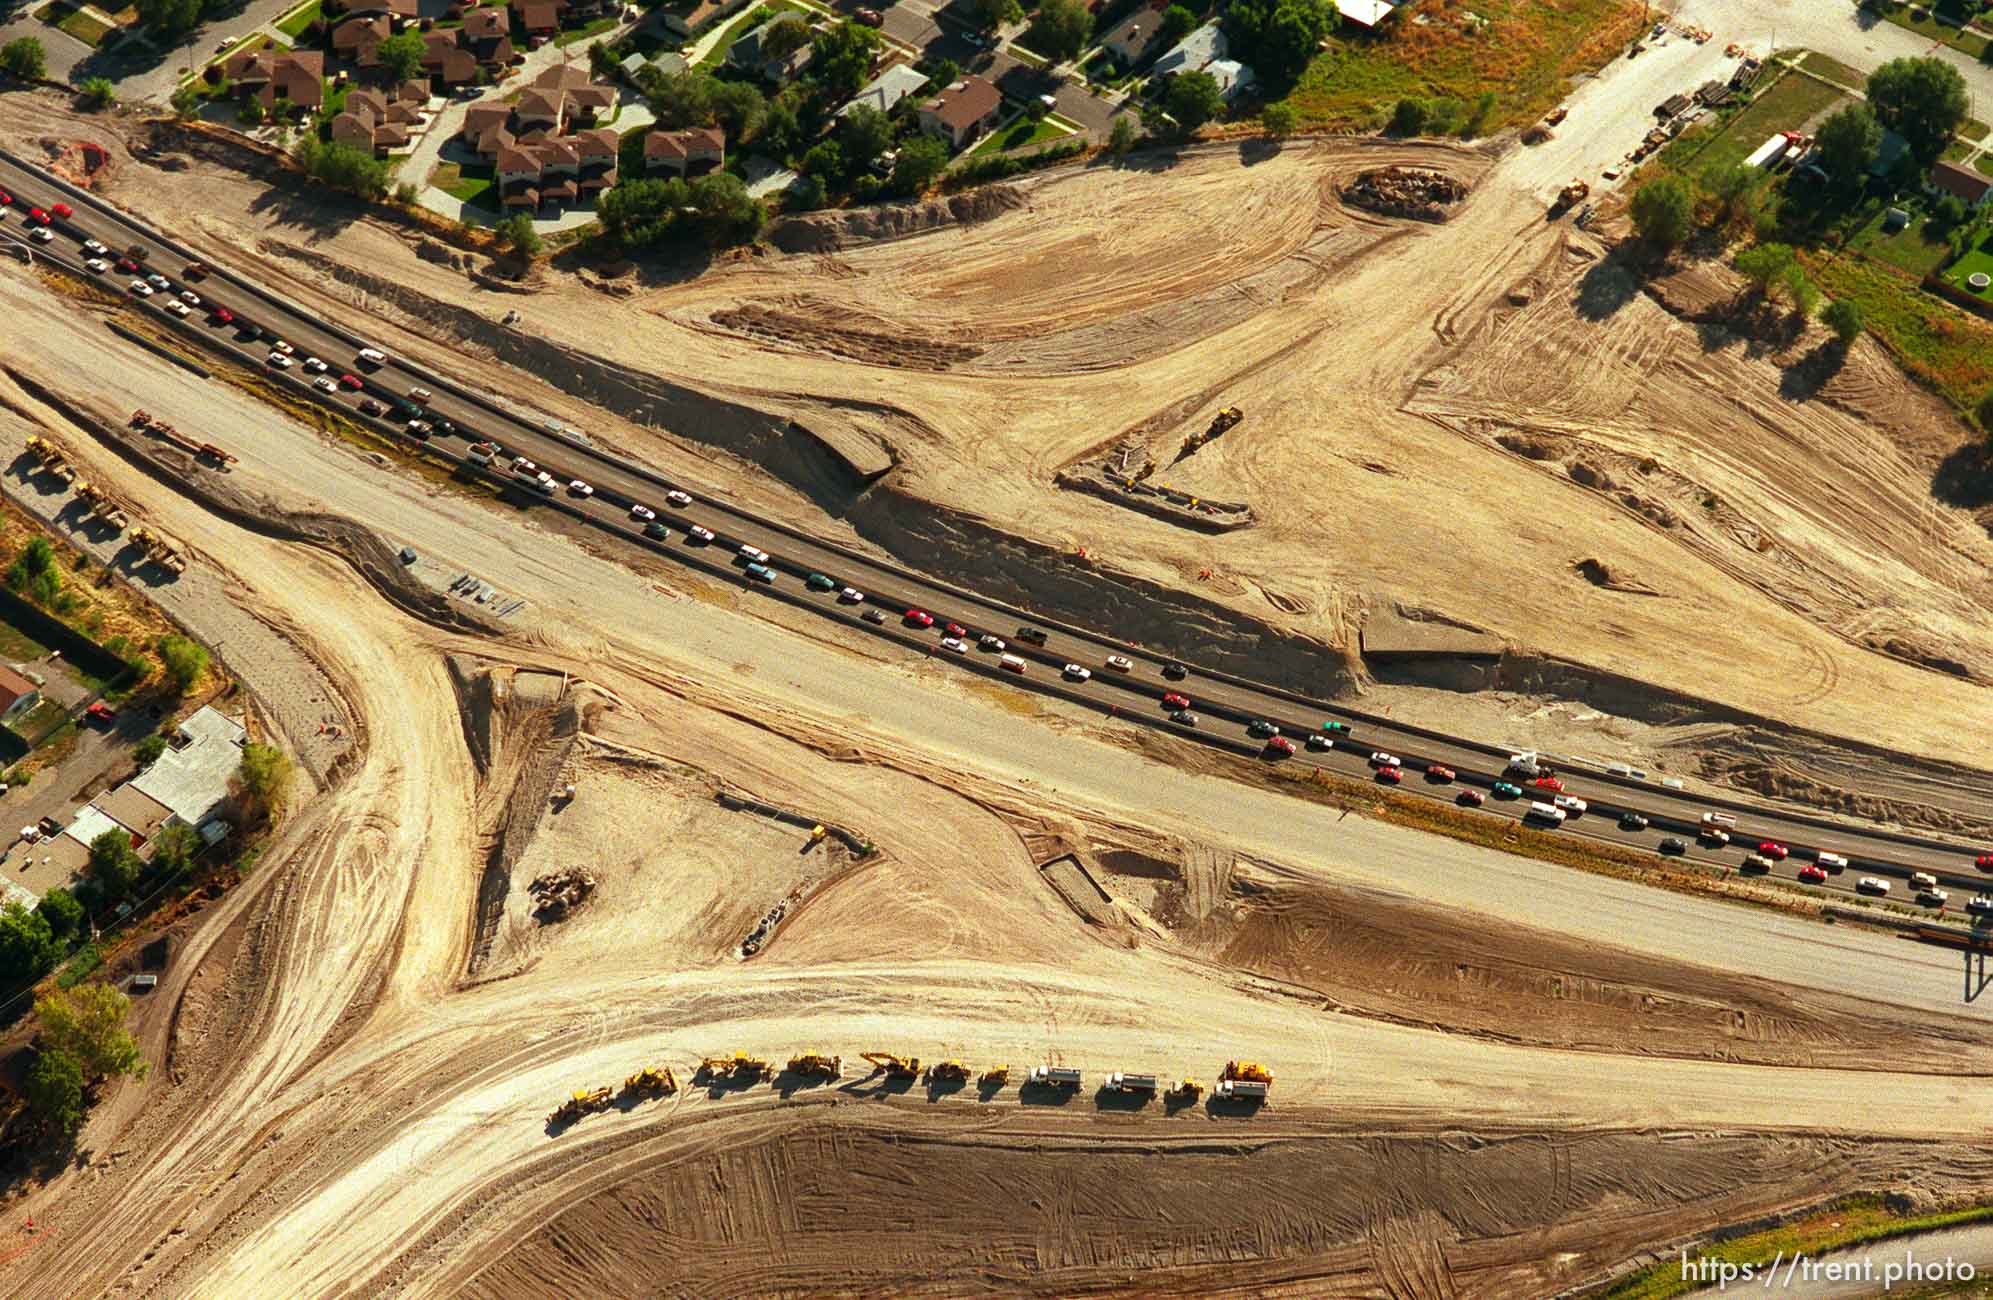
577,842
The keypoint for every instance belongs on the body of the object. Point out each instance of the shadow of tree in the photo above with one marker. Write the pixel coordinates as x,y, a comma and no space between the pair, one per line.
1965,477
1608,286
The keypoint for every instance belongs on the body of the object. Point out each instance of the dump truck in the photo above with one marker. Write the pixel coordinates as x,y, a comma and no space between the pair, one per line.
481,453
948,1072
1242,1089
1120,1082
817,1064
895,1067
583,1101
1246,1071
51,460
1572,193
1055,1076
652,1081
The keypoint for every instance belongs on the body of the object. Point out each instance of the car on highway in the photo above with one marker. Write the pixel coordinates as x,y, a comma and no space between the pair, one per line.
158,281
1260,728
851,596
352,382
372,357
1335,728
1174,671
98,265
1075,673
1278,747
421,396
1172,700
1031,635
62,211
1871,885
1570,805
679,499
642,514
819,582
1831,861
991,643
656,531
95,249
324,385
189,297
6,199
1632,821
127,266
955,629
1470,798
1317,741
1979,903
1439,773
1382,759
1812,876
1755,864
1506,790
141,288
1120,663
873,614
223,316
195,271
1711,835
918,618
955,645
280,361
421,429
1184,716
1674,846
750,554
1390,775
1984,862
700,534
177,308
760,573
279,345
314,365
1549,783
41,235
1010,664
368,406
1774,850
577,488
1933,897
36,217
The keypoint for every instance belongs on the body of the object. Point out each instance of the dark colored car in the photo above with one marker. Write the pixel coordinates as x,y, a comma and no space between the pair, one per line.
368,406
1260,728
1031,635
1470,798
1632,821
1674,846
873,614
1174,671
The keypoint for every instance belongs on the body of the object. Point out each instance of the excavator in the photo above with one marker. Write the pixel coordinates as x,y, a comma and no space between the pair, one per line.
947,1072
738,1066
652,1081
815,1063
896,1067
584,1101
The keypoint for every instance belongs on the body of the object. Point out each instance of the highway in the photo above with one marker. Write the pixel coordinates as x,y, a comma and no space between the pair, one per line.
1224,704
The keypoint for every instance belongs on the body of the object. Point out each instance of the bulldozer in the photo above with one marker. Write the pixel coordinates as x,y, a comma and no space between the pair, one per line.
814,1063
1571,194
101,505
1185,1092
896,1067
738,1066
157,550
948,1072
652,1081
1220,422
1247,1072
994,1077
583,1101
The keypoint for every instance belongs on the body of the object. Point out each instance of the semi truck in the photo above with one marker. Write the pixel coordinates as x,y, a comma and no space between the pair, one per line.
1055,1076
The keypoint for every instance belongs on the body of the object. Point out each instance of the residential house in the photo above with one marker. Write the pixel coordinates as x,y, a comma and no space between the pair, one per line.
191,778
1135,37
356,39
1231,76
1194,51
482,118
667,63
539,109
1365,13
539,19
18,694
686,154
962,112
544,148
597,150
518,172
446,60
587,98
701,15
405,10
887,89
1962,183
488,34
379,122
274,78
749,55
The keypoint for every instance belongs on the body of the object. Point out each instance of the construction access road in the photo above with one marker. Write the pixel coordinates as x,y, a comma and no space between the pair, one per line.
1223,702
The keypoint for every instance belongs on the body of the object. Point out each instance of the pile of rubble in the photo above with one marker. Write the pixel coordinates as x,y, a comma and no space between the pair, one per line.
1406,192
560,892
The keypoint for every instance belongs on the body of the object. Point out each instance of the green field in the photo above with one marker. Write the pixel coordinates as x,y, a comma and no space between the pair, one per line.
1949,349
1019,135
738,28
595,28
1792,101
1909,249
1524,55
294,23
450,178
1834,70
1962,41
1978,260
70,18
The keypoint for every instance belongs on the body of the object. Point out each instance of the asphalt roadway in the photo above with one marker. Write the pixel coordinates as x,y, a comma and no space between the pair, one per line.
1223,704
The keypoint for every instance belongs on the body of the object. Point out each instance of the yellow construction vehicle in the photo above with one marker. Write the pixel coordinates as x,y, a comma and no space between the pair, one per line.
897,1067
101,505
738,1066
1247,1072
1220,422
948,1072
1185,1092
652,1081
1575,192
814,1063
156,549
582,1102
994,1077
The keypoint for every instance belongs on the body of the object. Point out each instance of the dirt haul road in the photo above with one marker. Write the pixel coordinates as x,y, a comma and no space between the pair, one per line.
339,1110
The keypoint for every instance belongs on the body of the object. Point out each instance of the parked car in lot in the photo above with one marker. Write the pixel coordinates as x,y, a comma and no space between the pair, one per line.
1279,747
1120,663
1184,716
1674,846
1506,790
918,618
1075,673
1871,885
1438,774
101,712
1632,821
1812,876
1172,700
1260,729
1774,850
1470,798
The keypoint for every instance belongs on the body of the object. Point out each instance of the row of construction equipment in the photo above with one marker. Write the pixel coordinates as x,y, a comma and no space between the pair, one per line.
649,1083
1220,422
106,509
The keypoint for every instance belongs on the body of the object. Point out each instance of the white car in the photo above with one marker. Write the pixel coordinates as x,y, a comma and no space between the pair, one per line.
1571,804
314,365
158,281
189,297
954,645
373,356
177,308
520,465
1979,903
1075,673
752,555
851,596
280,361
992,643
94,247
679,499
577,488
283,347
98,265
702,533
1382,759
1830,861
1871,885
41,234
325,384
1120,663
141,288
642,514
1710,835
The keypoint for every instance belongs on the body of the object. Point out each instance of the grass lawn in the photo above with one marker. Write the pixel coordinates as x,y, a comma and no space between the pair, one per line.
1984,162
71,19
1946,347
1909,249
294,23
1964,42
1833,70
1973,129
1979,260
1524,55
740,26
596,28
1020,134
1026,55
1956,150
1792,101
18,645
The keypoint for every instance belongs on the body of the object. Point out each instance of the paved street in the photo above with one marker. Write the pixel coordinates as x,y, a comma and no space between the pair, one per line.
1835,28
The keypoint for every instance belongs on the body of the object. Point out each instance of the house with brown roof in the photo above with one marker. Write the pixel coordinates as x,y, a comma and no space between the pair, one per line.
377,122
18,694
406,10
480,118
597,149
446,60
356,39
1135,37
488,34
538,18
518,172
274,78
686,154
1961,183
962,112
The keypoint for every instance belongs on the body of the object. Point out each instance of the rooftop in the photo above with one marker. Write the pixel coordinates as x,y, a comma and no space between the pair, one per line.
191,778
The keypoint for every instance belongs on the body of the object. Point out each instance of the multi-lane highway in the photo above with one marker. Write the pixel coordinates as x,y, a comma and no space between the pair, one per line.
1225,705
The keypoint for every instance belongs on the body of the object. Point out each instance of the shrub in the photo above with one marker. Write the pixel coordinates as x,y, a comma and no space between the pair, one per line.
184,661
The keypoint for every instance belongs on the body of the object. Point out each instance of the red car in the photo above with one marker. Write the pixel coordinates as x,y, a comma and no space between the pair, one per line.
128,266
1774,850
6,199
1984,862
62,210
1548,783
1470,798
1175,701
224,316
1812,876
102,712
919,618
1438,775
37,217
956,629
1390,775
1280,747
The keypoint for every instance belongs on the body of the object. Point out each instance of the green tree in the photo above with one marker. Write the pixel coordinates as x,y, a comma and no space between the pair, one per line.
1193,98
1923,100
112,863
55,1092
943,72
251,112
147,751
1409,117
63,914
24,57
1765,265
724,211
680,99
184,661
738,108
1178,22
1277,38
1985,414
641,213
920,161
601,61
825,164
1662,211
401,54
1122,138
186,102
1731,185
1278,119
781,130
1844,317
1848,141
264,778
1060,29
28,949
842,60
1800,291
516,233
169,17
992,14
785,36
173,849
98,92
87,1024
864,133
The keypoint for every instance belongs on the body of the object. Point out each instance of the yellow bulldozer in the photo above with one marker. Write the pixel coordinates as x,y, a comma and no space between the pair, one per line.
1573,193
1247,1072
739,1066
1220,422
994,1077
652,1081
817,1064
896,1067
948,1072
1185,1092
583,1101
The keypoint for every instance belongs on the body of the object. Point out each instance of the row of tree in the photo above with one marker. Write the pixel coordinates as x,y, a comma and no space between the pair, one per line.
82,1041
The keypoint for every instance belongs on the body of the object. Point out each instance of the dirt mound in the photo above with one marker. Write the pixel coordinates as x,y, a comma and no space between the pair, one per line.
80,162
1406,192
557,893
1600,574
828,232
826,328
